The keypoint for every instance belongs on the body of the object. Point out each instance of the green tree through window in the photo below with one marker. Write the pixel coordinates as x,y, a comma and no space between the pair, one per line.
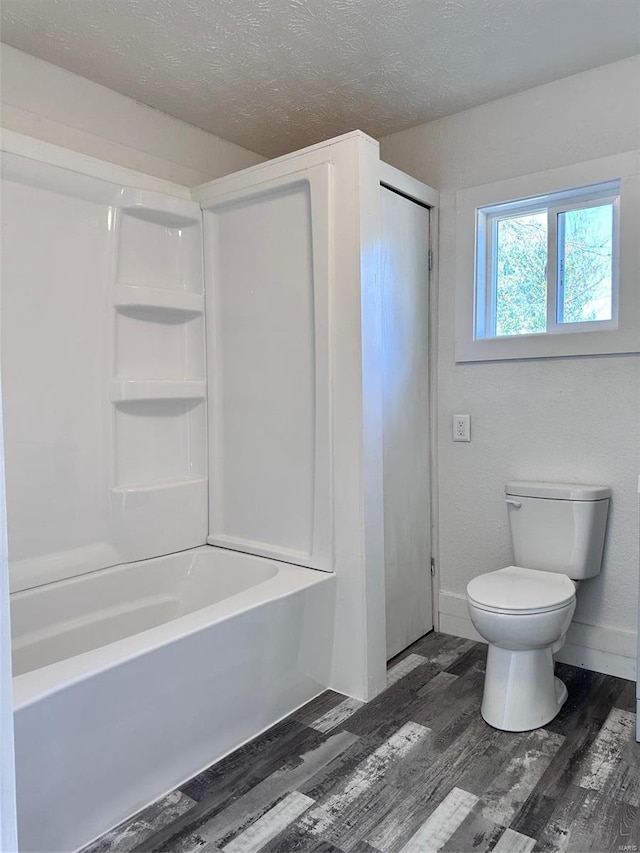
586,253
521,282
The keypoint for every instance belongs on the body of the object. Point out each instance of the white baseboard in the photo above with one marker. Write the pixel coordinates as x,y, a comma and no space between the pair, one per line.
460,627
600,648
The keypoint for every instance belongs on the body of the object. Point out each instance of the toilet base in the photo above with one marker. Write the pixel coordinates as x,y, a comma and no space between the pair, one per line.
521,691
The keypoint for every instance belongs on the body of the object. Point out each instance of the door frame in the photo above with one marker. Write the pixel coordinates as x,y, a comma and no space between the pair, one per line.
8,815
424,195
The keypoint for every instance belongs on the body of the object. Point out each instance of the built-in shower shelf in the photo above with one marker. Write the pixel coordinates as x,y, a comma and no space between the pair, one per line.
172,218
157,303
176,484
131,390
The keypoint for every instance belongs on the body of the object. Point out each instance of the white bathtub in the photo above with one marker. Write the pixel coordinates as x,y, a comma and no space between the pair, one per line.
130,680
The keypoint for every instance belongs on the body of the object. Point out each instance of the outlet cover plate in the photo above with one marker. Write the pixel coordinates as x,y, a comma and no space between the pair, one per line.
462,427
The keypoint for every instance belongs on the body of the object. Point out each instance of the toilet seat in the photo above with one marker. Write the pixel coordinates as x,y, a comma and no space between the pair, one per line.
517,591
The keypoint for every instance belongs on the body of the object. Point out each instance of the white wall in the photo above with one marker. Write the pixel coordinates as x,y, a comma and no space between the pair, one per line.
41,100
574,419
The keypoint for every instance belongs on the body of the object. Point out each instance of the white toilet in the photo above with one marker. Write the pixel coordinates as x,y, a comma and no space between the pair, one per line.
524,611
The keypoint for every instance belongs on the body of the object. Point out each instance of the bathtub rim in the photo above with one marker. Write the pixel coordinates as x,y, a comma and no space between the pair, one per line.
30,687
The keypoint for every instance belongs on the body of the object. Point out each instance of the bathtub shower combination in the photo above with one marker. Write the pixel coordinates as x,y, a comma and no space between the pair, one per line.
195,533
141,654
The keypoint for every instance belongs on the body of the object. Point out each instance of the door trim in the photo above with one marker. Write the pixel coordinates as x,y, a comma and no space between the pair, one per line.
396,181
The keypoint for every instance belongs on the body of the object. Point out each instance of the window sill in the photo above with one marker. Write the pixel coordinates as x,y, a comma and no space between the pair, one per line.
549,345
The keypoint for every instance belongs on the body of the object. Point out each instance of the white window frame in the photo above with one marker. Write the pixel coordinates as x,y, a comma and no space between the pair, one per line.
552,205
607,179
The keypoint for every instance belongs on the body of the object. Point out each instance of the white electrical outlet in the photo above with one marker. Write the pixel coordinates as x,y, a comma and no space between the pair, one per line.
462,427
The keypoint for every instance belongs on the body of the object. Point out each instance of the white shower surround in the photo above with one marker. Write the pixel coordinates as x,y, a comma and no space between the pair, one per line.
151,226
161,516
103,380
122,713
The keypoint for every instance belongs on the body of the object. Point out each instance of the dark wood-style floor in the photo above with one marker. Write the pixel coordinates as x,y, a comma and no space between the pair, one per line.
416,770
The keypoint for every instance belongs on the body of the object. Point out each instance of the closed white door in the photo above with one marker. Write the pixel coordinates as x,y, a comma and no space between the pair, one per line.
405,332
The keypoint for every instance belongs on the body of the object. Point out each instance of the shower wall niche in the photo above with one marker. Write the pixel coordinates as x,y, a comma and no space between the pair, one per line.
103,372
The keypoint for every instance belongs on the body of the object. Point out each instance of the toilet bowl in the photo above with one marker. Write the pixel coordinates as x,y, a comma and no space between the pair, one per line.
524,611
524,616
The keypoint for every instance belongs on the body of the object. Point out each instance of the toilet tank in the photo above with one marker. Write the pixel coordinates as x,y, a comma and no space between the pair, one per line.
558,527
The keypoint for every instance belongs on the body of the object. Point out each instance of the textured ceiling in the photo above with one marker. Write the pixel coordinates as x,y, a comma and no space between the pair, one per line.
275,75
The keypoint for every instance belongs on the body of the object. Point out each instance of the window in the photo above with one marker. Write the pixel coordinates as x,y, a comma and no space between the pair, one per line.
548,265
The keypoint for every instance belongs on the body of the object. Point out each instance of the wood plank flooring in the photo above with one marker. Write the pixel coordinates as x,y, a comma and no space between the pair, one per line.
416,770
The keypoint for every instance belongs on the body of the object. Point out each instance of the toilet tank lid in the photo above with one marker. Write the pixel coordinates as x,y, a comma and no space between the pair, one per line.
558,491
